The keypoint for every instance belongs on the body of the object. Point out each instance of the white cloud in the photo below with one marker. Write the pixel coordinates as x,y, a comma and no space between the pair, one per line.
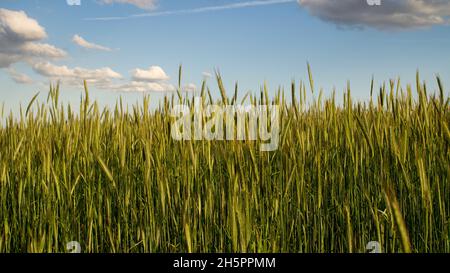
76,76
19,77
53,71
19,25
391,14
153,79
105,78
88,45
152,74
143,4
20,39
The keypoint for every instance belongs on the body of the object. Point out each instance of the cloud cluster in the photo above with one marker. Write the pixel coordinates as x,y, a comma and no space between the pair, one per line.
76,76
80,41
151,80
391,14
21,39
143,4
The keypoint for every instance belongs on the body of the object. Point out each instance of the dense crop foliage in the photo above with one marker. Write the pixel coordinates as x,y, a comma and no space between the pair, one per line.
343,175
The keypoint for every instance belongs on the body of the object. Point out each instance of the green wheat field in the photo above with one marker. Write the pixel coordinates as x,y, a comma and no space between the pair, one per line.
344,174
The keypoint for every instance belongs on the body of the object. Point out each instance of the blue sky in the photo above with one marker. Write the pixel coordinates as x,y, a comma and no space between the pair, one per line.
252,43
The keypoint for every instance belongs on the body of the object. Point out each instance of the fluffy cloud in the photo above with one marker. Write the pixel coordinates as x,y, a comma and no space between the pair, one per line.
88,45
391,14
153,79
143,4
152,74
20,39
19,77
75,76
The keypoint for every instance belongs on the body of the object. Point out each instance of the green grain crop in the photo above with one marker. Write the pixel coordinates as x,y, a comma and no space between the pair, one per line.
343,175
